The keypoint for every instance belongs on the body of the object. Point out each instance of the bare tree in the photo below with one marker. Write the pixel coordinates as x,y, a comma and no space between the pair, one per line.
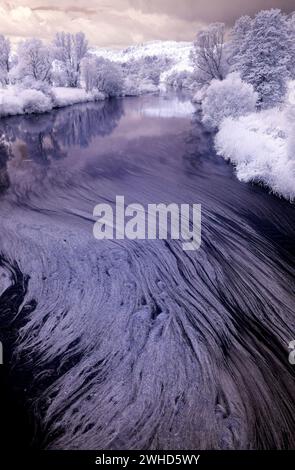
70,50
34,61
208,53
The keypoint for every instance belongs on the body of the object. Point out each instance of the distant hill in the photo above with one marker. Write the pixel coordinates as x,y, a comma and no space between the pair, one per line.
178,51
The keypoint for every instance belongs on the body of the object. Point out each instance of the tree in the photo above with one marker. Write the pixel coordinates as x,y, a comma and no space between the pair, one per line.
208,53
262,55
34,61
4,60
230,97
291,34
179,79
70,51
237,37
151,67
89,72
102,75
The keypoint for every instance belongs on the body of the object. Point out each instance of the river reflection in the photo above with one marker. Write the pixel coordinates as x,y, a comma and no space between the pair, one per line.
50,136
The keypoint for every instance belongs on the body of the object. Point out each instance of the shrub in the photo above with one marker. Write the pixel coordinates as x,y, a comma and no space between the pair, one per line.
31,84
227,98
34,101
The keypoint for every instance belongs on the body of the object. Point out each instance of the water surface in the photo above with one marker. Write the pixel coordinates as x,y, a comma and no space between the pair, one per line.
138,344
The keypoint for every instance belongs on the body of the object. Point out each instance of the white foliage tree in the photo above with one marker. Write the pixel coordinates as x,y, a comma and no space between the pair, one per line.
291,34
34,61
102,75
261,54
70,51
230,97
208,53
4,60
237,38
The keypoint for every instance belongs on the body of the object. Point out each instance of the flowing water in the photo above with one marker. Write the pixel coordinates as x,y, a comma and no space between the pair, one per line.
138,344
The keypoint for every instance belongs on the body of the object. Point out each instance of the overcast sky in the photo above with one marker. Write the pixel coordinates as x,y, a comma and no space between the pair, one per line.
117,23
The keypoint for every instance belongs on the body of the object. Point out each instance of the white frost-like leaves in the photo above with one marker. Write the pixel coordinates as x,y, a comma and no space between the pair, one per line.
16,100
261,146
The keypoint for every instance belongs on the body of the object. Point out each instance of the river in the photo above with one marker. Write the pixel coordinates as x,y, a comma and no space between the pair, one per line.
138,344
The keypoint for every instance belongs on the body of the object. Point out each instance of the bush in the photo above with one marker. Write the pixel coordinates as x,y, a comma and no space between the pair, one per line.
257,144
31,84
227,98
66,96
9,104
15,100
34,101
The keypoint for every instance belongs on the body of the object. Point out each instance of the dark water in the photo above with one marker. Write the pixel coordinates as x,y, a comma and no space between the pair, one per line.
139,344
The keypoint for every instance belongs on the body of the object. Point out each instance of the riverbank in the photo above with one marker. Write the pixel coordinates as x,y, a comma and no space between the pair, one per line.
15,100
261,146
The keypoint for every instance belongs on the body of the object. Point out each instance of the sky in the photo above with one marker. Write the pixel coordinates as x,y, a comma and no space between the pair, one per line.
119,23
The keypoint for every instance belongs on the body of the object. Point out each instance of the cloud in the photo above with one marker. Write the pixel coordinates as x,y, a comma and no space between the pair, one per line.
210,10
123,22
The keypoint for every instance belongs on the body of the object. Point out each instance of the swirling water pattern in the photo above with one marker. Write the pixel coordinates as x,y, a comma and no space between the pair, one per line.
125,344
